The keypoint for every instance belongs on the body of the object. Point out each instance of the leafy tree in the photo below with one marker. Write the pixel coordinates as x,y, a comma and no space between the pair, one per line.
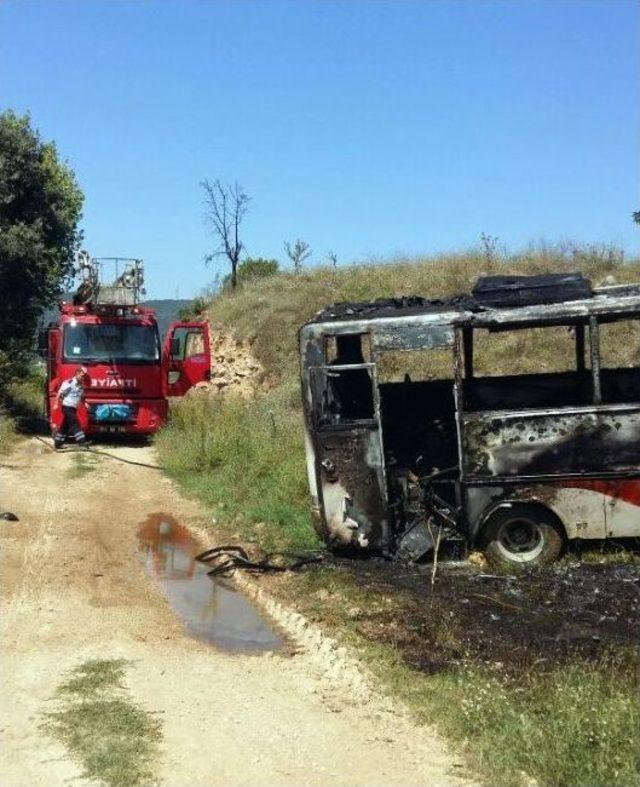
40,207
225,208
253,268
257,268
297,252
636,216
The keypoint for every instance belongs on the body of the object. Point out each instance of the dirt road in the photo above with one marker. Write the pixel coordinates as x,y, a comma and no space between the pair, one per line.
74,588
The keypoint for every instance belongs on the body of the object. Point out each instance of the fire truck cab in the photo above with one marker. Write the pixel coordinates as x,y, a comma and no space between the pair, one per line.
130,374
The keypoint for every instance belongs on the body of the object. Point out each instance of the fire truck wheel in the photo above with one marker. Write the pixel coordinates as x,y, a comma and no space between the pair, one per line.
522,535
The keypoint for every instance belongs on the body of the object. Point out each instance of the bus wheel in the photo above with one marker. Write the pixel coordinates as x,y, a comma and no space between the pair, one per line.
522,535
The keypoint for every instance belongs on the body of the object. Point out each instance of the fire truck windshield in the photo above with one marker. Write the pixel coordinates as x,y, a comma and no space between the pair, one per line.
111,342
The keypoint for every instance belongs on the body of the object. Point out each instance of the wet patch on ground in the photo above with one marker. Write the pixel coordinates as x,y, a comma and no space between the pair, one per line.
553,614
212,610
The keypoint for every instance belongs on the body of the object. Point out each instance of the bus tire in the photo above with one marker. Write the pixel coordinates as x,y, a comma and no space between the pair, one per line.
522,535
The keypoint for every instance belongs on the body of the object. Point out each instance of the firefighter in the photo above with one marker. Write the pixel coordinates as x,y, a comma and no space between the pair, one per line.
70,395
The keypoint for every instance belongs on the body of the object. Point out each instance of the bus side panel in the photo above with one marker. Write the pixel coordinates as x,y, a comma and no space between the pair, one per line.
560,442
620,502
581,509
622,507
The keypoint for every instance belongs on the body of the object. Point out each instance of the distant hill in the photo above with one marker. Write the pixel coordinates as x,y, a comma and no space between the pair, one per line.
167,311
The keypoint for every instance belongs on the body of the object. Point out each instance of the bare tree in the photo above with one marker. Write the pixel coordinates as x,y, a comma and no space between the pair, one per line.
333,258
489,246
225,207
297,253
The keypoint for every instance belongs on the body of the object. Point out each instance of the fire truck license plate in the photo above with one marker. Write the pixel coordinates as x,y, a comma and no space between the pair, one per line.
112,428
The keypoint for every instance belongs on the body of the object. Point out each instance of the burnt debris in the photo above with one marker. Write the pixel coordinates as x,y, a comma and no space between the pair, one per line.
489,291
499,291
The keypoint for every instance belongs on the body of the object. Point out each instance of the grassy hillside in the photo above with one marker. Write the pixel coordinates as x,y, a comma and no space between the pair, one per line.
245,459
270,311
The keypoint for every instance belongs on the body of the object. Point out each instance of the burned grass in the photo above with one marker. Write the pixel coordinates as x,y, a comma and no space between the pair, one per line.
114,740
510,668
535,675
552,614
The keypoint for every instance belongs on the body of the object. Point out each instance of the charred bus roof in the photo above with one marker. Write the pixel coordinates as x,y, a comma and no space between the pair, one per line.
496,303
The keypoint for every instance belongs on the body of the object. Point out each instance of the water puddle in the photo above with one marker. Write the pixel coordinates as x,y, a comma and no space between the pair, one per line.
211,609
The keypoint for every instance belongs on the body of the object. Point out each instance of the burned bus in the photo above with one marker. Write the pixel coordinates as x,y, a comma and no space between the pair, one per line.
515,464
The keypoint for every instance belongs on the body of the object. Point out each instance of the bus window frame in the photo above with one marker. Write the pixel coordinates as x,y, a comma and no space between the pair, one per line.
319,407
465,349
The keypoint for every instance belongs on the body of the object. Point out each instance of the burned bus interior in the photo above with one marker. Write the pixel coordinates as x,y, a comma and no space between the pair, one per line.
410,425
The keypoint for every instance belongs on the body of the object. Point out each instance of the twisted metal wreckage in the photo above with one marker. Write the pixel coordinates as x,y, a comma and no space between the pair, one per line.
514,464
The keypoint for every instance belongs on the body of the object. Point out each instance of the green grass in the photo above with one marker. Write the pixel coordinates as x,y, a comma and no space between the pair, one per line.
242,458
83,464
27,393
571,725
7,431
606,553
21,403
95,675
245,460
114,740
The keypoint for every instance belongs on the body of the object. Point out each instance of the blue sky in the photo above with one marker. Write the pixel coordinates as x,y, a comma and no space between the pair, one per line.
370,128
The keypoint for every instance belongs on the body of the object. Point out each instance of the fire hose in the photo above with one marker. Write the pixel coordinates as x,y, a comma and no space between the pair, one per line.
226,559
91,450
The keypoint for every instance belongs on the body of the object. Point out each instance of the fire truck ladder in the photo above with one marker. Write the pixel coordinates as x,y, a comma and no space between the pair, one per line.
123,288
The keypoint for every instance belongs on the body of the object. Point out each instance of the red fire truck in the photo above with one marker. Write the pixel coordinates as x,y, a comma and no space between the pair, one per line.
130,374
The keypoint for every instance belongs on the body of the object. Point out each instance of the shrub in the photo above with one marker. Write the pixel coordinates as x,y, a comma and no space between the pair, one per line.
251,269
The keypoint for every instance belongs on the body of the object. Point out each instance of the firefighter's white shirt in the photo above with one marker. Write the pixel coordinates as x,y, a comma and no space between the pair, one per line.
71,393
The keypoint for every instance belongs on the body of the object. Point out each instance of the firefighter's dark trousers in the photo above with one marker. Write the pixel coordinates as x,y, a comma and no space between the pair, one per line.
70,429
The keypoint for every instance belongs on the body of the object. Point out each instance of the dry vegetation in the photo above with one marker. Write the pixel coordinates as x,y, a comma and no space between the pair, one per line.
270,311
